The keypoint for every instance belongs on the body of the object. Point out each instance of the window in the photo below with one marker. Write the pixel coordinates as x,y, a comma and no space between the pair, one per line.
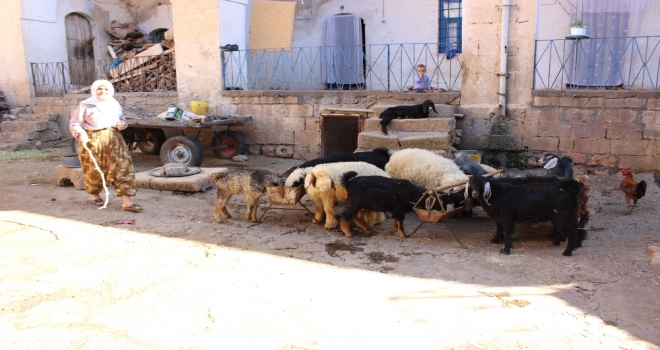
451,21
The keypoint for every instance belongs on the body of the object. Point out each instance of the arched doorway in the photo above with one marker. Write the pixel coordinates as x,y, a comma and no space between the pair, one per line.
80,49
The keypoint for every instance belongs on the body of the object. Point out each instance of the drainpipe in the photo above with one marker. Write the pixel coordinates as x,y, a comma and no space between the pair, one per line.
504,38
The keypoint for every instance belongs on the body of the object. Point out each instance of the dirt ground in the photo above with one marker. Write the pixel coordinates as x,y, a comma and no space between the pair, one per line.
73,278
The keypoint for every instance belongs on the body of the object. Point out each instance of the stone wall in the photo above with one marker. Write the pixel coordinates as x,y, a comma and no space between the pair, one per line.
290,120
601,130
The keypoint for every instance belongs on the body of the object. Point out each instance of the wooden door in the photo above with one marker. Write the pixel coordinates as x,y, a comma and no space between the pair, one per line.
80,49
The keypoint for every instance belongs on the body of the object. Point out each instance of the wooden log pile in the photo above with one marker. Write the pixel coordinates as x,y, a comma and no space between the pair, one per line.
158,73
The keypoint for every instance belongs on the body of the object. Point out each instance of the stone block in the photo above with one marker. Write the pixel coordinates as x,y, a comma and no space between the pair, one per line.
588,131
375,139
573,101
15,137
300,111
284,151
651,117
254,149
554,130
306,152
630,147
634,102
307,138
566,144
280,99
33,135
628,131
579,116
427,140
53,125
541,143
651,135
412,125
616,116
578,158
193,183
594,146
506,143
546,101
18,125
67,176
639,163
268,151
604,160
49,135
255,110
653,104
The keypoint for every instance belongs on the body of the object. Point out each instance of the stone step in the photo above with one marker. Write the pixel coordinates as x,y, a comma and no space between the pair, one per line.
445,111
402,139
17,146
44,117
18,125
426,124
19,136
440,152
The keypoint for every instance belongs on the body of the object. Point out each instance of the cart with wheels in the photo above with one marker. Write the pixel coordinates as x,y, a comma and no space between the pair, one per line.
149,137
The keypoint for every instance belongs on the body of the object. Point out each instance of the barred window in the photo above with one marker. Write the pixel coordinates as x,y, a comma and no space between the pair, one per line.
451,20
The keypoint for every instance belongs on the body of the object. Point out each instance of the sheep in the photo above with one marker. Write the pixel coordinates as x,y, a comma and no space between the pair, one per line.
406,111
323,186
427,169
378,194
378,157
531,199
252,184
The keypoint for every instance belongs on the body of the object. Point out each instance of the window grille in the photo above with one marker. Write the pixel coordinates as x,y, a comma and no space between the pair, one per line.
451,20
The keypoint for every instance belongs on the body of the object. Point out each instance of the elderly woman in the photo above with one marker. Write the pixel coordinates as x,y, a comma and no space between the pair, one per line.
97,122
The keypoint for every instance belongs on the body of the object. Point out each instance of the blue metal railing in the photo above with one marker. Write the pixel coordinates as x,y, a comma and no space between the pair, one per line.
385,67
627,63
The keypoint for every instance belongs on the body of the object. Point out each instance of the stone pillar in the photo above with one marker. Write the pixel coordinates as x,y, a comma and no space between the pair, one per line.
197,35
15,85
480,84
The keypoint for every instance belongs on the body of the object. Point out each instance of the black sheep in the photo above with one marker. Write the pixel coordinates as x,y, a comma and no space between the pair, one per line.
531,199
379,194
411,111
378,157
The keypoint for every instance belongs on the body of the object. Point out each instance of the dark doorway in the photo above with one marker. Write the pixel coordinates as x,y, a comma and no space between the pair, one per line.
80,49
339,133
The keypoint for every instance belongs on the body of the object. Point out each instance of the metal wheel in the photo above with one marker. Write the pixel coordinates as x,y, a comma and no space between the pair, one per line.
151,141
234,141
181,150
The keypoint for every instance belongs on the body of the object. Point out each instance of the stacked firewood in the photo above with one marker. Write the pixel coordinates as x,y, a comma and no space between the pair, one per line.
159,74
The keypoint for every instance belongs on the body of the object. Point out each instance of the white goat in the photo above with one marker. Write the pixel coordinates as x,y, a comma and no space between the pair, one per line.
424,168
323,186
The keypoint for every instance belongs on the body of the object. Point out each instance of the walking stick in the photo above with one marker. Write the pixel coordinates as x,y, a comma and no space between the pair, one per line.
96,165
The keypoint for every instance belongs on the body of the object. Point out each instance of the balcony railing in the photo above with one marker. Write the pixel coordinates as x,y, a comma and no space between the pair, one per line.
386,67
616,63
139,74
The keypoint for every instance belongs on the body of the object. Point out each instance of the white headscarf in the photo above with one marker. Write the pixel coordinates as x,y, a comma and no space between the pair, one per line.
109,107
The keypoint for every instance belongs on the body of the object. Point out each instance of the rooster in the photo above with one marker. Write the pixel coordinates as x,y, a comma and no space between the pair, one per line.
633,190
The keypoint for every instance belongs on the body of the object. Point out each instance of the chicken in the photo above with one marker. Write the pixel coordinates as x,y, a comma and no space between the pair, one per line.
633,190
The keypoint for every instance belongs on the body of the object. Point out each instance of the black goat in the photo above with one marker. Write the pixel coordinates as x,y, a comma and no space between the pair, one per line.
531,199
379,194
559,167
378,157
410,111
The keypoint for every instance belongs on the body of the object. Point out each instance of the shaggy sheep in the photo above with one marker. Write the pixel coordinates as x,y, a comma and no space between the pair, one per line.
412,111
252,184
323,186
378,157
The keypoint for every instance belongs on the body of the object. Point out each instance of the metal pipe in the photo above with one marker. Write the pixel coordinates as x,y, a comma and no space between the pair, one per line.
504,38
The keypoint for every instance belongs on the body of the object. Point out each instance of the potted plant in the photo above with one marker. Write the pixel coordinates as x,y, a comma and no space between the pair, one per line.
578,28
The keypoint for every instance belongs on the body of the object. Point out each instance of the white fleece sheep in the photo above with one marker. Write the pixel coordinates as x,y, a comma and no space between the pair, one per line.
323,186
424,168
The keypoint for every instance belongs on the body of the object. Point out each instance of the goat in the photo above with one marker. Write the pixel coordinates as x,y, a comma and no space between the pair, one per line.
296,175
531,199
559,167
471,168
323,186
252,184
405,111
377,194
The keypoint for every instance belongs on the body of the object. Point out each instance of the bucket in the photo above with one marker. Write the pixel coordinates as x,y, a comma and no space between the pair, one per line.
199,107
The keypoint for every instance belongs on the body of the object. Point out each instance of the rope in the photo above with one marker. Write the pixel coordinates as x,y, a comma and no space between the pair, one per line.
96,165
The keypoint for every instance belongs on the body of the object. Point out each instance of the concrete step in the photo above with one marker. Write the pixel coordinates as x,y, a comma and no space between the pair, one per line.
427,124
445,111
18,125
401,139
